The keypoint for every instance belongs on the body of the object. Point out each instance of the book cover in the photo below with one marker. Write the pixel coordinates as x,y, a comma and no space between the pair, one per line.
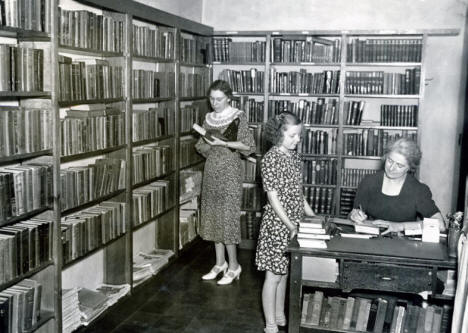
305,307
348,313
317,302
380,316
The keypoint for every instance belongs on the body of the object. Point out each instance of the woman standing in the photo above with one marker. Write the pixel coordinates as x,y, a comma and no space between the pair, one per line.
222,179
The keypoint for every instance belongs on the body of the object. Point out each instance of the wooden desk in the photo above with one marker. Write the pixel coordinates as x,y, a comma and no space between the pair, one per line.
379,264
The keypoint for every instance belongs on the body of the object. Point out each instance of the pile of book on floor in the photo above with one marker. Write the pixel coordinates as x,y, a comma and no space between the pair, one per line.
312,232
71,318
20,306
147,264
92,304
379,314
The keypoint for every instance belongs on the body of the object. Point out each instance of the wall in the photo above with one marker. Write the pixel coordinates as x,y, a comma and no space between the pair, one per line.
191,10
445,90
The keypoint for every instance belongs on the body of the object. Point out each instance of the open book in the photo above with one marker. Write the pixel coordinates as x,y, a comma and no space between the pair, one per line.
230,134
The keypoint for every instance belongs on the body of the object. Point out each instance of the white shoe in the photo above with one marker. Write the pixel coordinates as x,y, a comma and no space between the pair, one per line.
215,271
230,276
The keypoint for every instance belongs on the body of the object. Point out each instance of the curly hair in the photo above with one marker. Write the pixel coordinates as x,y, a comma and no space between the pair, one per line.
275,127
408,148
220,85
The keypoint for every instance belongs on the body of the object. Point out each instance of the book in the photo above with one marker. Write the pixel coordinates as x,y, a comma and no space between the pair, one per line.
305,308
317,301
363,314
306,235
380,316
312,243
348,313
367,228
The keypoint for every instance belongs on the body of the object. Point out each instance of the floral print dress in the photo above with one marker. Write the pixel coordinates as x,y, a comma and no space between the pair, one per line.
281,172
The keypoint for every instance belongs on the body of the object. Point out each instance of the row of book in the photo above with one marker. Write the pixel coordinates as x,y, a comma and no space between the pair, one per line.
151,84
320,199
322,112
24,246
302,82
189,220
23,189
250,170
154,42
151,200
252,197
88,79
377,315
153,123
21,68
87,30
189,115
352,176
308,49
399,115
80,306
193,84
320,171
353,111
371,142
188,154
87,129
250,225
194,49
92,227
20,306
346,201
225,50
147,264
384,50
244,81
26,14
380,82
83,184
24,130
322,142
260,142
151,161
253,108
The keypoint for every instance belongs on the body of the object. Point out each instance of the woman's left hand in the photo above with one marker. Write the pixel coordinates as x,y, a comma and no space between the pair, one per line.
215,142
391,226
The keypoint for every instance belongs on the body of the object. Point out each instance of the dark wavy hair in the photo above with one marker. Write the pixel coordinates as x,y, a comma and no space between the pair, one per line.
409,149
276,126
222,86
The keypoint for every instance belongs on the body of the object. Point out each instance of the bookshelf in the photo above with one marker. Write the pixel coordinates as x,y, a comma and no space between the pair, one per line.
349,88
89,145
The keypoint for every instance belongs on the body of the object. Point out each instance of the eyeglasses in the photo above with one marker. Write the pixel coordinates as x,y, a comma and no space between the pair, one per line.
399,165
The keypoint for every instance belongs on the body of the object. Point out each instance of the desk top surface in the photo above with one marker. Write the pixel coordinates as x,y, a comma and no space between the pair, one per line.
383,247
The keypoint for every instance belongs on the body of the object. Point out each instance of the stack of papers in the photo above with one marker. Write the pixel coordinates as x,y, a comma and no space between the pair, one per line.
92,304
147,264
70,310
113,292
312,233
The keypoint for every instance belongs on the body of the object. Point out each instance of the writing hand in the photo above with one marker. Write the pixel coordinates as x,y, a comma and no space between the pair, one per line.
357,215
391,226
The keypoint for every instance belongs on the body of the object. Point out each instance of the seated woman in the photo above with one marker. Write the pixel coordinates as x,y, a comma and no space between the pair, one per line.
393,197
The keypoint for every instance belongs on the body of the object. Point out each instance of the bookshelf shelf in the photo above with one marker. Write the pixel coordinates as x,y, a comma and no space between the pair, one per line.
88,52
44,319
195,98
382,96
149,181
22,157
24,94
307,125
153,219
320,185
93,251
22,34
362,157
383,64
27,275
189,133
235,93
151,59
247,63
307,155
25,216
191,165
312,64
148,141
303,95
92,203
80,156
187,64
90,101
403,128
151,100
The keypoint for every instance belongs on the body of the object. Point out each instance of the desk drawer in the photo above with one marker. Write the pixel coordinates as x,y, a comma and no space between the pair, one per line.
359,275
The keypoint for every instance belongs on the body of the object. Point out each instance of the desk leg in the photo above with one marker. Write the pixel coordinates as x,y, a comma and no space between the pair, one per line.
295,293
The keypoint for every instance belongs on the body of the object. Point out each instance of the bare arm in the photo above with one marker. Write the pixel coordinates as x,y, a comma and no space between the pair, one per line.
279,210
400,226
307,209
228,144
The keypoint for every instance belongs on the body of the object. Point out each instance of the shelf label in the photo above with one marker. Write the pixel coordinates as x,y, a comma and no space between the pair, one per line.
232,32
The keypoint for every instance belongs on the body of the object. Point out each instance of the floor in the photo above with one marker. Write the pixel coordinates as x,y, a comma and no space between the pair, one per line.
177,300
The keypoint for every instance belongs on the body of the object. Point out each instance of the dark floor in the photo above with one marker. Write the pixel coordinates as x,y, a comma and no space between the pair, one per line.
177,300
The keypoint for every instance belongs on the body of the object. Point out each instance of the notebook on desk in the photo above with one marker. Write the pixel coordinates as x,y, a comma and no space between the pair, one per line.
397,247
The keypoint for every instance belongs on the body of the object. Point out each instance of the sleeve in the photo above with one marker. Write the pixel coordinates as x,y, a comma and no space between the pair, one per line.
245,136
425,205
270,174
362,194
202,147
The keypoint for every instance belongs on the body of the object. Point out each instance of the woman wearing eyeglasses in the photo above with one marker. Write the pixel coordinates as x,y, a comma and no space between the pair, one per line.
393,197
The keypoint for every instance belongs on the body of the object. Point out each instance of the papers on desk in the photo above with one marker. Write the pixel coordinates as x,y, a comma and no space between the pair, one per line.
361,228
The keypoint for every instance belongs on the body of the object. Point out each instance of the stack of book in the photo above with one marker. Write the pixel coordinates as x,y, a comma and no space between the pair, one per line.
147,264
70,310
313,233
92,304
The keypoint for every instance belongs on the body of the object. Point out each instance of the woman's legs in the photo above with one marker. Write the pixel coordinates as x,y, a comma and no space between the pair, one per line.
232,254
280,298
220,258
270,298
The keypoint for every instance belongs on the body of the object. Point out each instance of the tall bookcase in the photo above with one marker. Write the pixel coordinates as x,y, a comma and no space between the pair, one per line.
353,90
100,150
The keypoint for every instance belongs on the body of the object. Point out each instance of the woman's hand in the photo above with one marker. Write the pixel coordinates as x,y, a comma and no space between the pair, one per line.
215,142
357,215
292,232
391,226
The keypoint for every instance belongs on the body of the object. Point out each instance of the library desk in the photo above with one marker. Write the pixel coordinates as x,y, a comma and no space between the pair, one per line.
378,264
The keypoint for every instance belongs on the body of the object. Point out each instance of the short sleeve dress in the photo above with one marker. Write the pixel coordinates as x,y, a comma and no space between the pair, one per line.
281,172
413,202
222,184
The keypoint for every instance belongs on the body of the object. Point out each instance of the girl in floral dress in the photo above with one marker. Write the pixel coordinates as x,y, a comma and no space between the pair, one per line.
281,169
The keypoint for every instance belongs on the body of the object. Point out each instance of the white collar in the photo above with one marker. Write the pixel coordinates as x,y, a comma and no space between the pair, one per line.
216,120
